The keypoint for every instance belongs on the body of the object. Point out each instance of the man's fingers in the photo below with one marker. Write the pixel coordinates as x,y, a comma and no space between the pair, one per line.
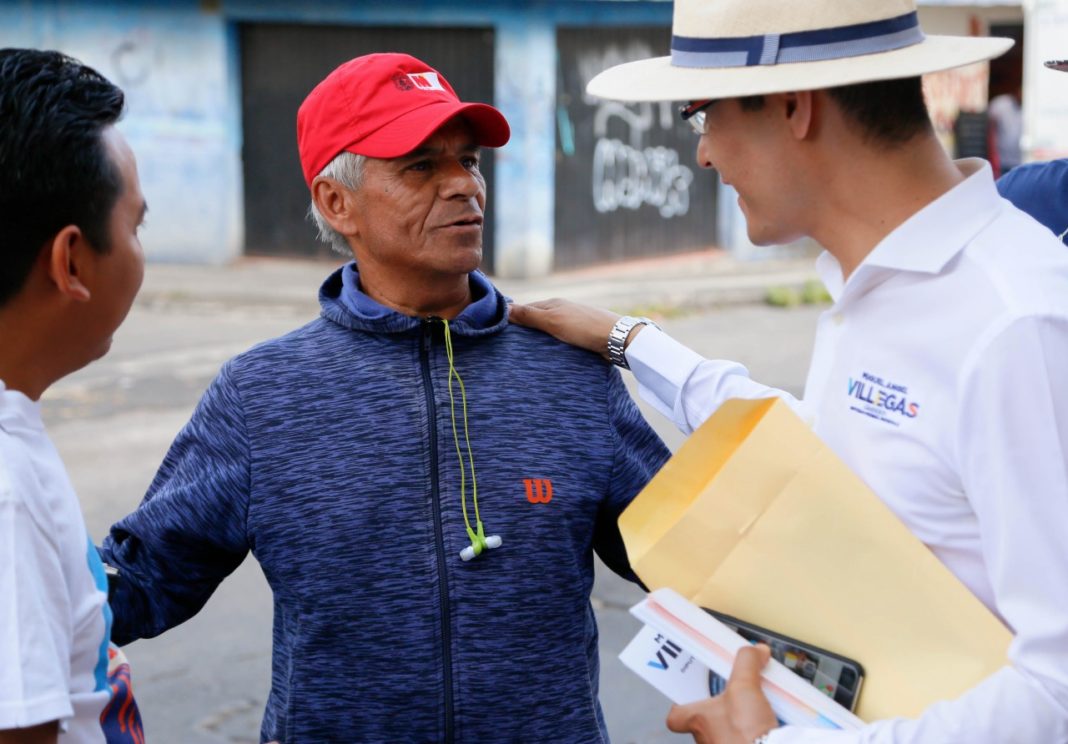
532,314
747,666
682,718
750,712
677,718
517,312
706,721
571,322
736,716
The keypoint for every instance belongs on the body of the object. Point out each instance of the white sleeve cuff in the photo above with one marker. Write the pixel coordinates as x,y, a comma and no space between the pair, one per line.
661,365
685,386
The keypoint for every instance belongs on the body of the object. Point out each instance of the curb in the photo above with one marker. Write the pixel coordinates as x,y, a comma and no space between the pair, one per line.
669,286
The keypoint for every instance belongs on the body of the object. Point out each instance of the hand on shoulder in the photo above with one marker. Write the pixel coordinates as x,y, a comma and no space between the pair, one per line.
571,322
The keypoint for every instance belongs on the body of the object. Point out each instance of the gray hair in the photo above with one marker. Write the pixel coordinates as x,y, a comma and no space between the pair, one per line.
347,169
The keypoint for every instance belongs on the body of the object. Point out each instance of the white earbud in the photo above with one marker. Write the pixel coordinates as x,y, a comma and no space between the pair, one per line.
468,553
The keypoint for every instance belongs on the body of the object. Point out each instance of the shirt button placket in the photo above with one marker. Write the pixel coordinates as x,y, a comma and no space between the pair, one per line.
824,361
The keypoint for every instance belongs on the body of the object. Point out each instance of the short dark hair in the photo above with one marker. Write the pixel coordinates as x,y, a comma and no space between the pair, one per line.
889,112
55,169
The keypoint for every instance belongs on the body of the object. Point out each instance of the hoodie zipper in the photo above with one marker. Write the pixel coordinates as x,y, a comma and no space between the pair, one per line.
439,540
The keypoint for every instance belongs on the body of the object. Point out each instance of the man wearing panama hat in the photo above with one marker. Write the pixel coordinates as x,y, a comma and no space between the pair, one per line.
1041,189
944,295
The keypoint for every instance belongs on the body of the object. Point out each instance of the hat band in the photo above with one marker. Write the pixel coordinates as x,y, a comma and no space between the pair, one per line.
799,46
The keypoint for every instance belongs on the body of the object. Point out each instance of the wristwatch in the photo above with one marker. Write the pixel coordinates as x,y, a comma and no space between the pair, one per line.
617,339
762,739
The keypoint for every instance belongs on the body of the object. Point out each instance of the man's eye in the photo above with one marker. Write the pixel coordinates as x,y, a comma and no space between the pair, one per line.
420,165
471,163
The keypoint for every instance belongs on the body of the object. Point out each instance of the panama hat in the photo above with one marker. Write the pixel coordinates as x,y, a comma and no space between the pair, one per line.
1058,64
729,48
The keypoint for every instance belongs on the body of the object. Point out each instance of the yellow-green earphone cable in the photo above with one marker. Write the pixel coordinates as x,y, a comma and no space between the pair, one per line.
478,537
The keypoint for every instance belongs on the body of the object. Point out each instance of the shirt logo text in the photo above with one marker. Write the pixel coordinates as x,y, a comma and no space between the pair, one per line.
886,401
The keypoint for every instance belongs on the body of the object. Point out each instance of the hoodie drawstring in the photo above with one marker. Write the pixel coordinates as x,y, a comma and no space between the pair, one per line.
477,534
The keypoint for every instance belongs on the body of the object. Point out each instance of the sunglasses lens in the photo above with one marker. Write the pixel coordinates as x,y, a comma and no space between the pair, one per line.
694,112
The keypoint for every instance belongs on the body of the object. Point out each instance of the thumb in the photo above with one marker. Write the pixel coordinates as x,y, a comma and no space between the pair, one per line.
676,720
517,312
748,664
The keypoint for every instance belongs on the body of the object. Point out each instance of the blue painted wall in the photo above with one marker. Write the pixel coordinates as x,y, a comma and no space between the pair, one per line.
174,63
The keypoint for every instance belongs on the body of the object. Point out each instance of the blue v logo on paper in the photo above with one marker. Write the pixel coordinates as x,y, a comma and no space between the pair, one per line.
668,650
882,399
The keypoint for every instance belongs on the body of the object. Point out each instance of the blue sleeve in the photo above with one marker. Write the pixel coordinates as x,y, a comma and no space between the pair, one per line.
1041,190
189,533
639,454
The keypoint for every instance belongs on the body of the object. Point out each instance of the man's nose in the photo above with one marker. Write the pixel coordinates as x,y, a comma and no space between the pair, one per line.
704,158
460,181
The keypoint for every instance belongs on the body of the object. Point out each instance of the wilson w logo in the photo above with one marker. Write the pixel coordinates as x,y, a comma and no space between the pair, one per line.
539,490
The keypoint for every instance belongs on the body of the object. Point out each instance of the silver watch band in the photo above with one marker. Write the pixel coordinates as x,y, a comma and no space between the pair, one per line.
617,338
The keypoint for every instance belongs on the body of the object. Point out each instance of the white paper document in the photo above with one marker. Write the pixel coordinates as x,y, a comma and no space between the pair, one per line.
666,666
681,643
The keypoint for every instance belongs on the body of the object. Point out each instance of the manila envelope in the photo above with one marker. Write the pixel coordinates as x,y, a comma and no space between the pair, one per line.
754,516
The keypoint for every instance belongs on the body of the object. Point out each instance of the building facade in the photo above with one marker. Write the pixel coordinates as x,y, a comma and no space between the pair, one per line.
213,88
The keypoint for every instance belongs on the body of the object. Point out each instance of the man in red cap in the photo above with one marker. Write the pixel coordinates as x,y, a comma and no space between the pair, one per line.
343,456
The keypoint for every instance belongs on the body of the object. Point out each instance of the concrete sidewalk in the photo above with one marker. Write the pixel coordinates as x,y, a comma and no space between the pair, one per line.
683,283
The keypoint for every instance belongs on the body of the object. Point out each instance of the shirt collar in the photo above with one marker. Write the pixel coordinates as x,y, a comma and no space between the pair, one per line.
479,313
18,411
345,303
929,239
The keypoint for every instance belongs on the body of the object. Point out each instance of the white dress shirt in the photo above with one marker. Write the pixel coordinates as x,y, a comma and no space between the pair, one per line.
940,376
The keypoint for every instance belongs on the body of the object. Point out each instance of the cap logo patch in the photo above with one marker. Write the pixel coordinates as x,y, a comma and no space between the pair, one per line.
402,82
425,80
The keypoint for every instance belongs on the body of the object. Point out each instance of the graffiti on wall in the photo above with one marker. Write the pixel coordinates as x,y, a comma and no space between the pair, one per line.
628,171
132,61
626,183
627,175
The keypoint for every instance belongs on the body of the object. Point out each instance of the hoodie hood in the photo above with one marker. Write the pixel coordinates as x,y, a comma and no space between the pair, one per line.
344,303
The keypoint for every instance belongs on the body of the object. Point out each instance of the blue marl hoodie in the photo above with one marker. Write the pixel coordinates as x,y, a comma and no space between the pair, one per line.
329,454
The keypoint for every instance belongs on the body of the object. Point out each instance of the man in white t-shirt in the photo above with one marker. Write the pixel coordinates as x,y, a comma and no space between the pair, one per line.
937,374
70,208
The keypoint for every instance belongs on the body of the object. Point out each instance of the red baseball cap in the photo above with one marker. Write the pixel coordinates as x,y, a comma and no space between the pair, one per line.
384,106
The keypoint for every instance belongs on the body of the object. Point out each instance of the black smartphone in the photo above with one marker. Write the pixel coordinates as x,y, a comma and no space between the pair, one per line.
834,675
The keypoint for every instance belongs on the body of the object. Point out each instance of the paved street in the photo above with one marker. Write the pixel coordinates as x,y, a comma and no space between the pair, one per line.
206,681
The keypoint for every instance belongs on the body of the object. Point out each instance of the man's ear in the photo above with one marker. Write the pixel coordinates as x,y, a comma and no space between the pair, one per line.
335,204
800,113
69,260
